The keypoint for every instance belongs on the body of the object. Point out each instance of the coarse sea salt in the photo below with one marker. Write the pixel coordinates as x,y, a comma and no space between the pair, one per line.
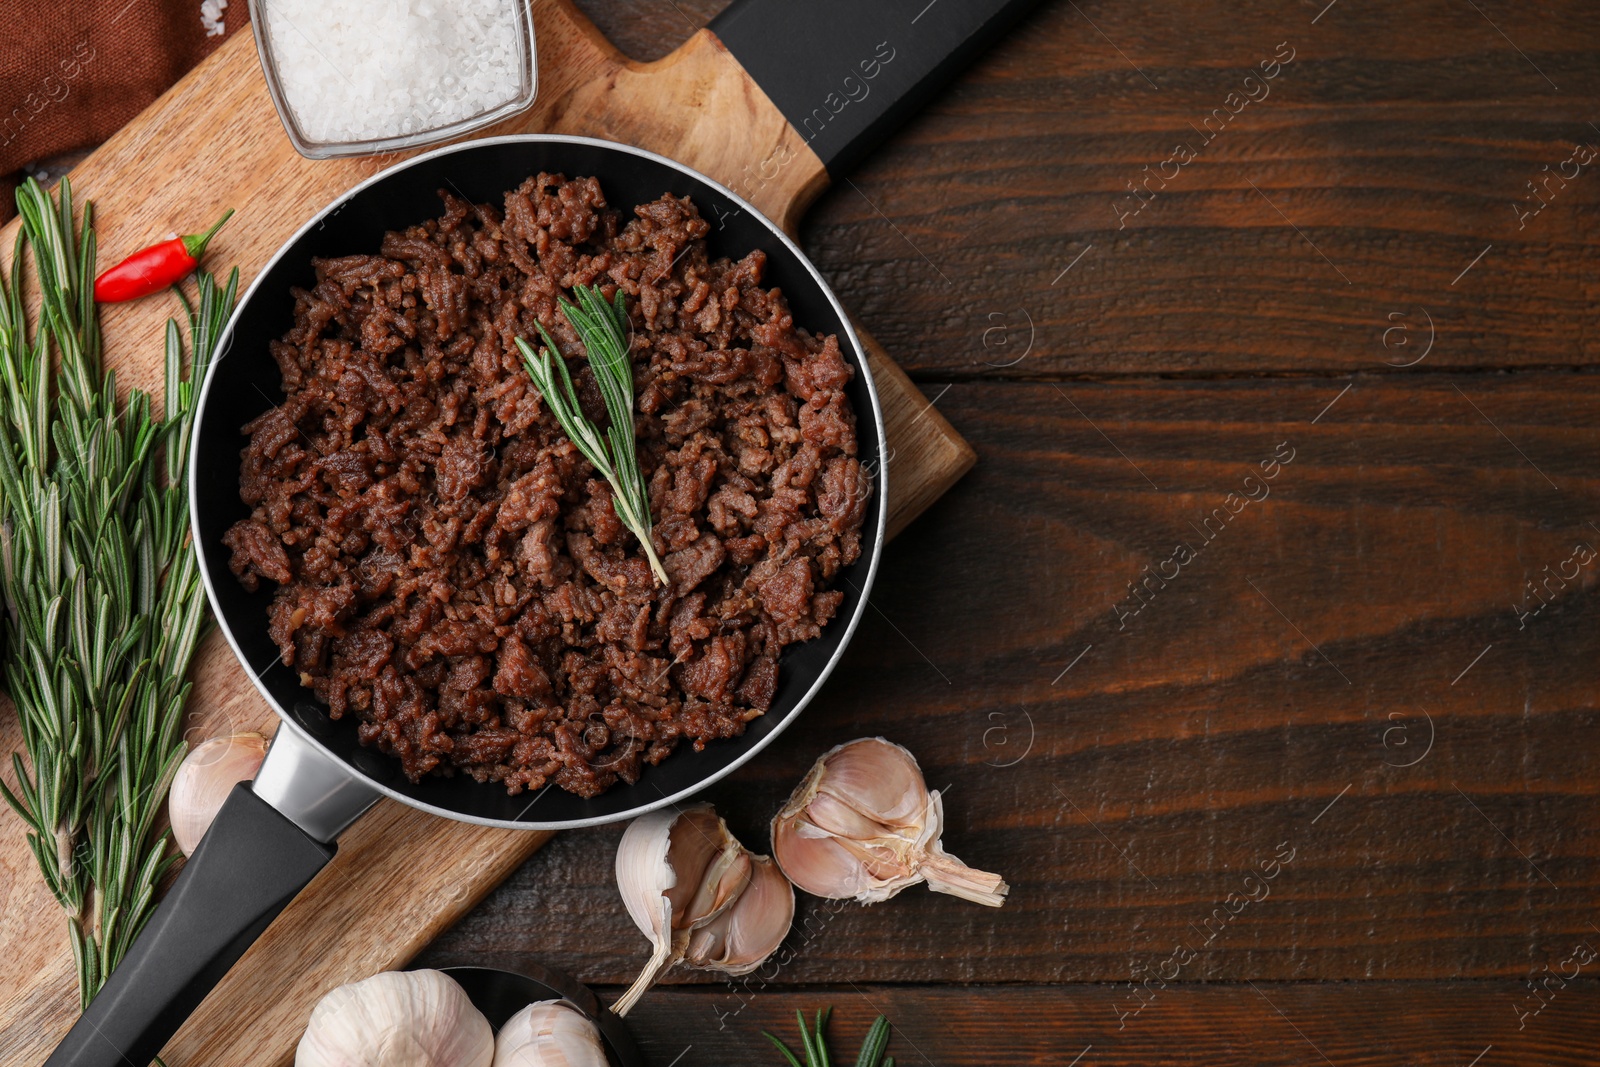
366,70
211,17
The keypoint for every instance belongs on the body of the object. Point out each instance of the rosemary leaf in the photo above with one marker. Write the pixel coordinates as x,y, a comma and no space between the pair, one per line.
781,1047
103,604
603,329
873,1047
805,1038
818,1041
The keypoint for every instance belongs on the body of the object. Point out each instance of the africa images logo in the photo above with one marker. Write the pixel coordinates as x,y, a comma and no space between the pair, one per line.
1254,90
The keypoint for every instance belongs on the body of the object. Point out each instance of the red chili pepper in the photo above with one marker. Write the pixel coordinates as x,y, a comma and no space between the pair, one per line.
152,269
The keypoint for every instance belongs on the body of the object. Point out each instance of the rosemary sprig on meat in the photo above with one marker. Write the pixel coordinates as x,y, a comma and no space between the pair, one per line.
603,329
103,599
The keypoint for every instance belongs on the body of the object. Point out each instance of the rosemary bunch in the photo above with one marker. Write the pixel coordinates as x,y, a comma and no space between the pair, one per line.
814,1043
102,591
603,329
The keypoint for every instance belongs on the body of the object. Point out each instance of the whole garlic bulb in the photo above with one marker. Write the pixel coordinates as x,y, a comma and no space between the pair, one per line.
549,1033
203,781
701,898
864,825
397,1019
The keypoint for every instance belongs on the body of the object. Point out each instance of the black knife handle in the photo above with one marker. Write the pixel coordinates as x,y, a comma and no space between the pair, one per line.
250,864
846,73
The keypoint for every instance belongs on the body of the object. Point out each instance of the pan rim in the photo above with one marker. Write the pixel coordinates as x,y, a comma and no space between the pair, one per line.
288,721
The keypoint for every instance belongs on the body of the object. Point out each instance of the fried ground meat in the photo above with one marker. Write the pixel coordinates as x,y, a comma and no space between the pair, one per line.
449,568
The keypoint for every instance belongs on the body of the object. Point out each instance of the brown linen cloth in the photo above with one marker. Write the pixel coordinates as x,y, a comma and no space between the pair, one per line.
73,72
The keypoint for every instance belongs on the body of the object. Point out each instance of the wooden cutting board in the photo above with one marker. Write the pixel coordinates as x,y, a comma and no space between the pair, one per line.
214,142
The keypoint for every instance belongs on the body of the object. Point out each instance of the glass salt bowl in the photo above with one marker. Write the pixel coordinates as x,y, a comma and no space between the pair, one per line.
519,11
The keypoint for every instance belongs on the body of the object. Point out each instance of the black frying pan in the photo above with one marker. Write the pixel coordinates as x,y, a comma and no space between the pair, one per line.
245,383
271,839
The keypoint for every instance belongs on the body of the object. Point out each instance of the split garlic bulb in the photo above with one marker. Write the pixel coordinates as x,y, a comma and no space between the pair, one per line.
701,898
549,1033
864,825
397,1019
205,778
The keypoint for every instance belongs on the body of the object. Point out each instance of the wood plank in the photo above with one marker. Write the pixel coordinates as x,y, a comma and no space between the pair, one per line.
1432,1024
1181,750
217,140
1397,141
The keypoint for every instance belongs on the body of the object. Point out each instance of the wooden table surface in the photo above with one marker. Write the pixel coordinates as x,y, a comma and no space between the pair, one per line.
1321,785
1350,670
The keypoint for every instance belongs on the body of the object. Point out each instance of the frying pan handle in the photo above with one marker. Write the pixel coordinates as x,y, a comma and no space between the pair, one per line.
846,73
250,864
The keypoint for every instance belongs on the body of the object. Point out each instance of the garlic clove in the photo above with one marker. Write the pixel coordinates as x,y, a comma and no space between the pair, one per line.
688,885
818,863
549,1033
836,817
723,881
888,785
644,876
397,1019
762,918
741,938
863,825
697,841
203,781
